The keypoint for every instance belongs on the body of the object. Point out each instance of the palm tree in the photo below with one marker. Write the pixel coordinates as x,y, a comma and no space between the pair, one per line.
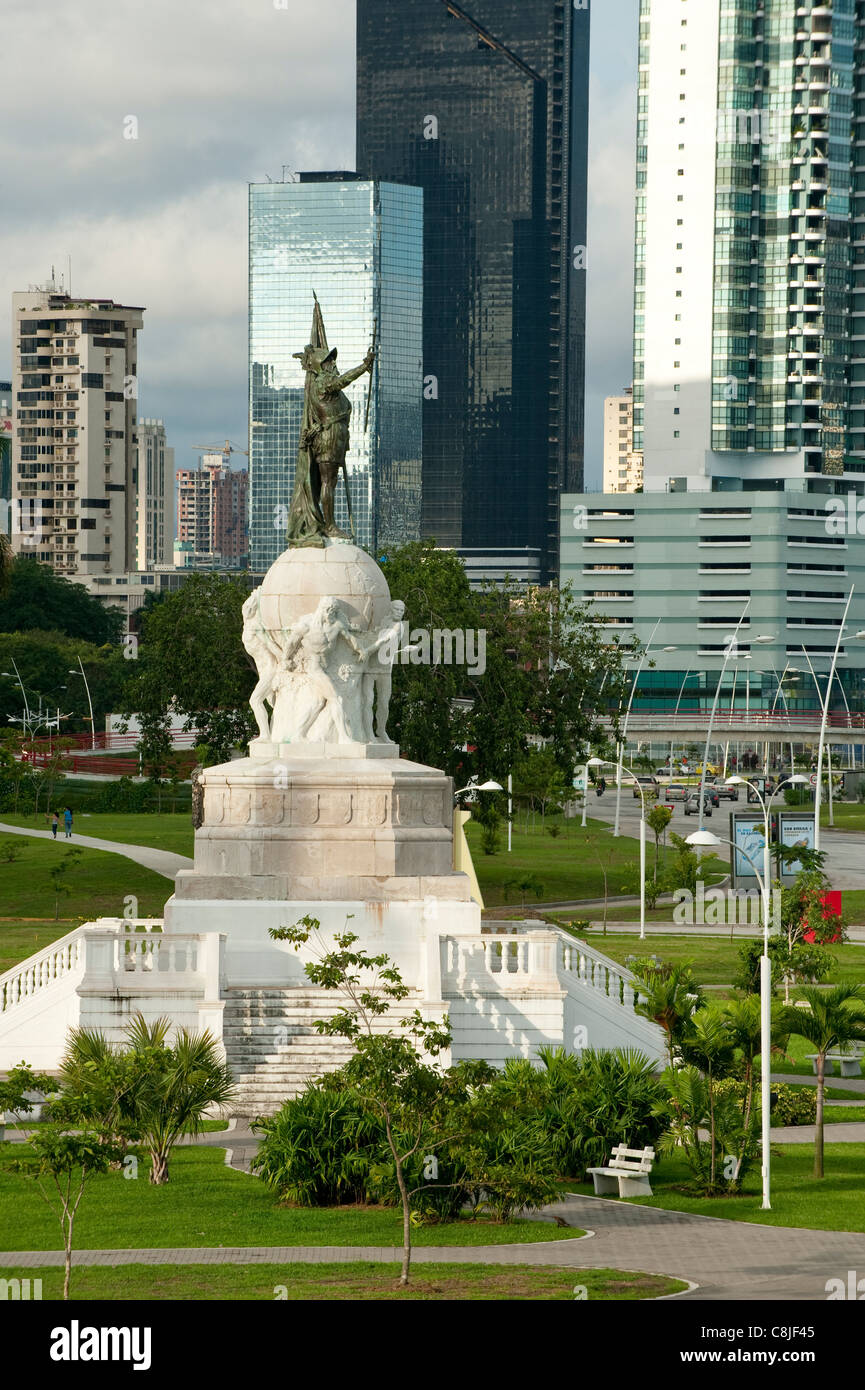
668,995
7,560
709,1046
173,1086
826,1023
149,1090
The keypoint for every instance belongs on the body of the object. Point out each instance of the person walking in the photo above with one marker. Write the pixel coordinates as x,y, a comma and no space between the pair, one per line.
67,822
55,821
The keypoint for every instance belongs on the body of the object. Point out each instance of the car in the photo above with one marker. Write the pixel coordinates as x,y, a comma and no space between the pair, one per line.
711,793
649,786
725,791
692,806
676,791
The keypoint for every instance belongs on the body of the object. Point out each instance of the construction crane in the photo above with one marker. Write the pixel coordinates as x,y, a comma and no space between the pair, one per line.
226,449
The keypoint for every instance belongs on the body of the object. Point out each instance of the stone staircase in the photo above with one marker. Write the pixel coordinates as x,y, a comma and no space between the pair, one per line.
272,1046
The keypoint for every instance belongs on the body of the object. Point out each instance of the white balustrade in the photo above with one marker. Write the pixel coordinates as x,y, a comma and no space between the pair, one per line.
53,963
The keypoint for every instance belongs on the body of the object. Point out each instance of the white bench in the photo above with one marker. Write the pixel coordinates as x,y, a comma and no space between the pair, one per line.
628,1171
849,1061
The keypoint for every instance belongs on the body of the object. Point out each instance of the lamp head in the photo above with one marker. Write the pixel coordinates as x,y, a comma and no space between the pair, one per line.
703,839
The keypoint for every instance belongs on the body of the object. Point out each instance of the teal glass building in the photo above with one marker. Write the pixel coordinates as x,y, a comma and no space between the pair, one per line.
358,244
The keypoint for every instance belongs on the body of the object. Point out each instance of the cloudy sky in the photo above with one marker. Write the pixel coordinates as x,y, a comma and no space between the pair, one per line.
224,92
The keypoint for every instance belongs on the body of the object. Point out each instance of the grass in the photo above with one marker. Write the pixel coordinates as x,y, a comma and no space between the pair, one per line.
359,1282
849,815
206,1203
171,832
715,958
832,1203
21,937
99,882
569,867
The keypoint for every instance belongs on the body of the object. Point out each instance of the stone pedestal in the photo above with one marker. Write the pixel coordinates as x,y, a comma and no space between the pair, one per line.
363,841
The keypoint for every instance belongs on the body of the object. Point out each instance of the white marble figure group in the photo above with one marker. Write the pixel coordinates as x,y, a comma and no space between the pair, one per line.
327,679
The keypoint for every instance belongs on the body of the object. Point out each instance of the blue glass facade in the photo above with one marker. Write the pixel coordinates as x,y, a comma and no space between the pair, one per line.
359,245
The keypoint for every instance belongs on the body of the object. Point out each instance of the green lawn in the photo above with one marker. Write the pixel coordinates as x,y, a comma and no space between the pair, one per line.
715,958
832,1203
207,1203
569,867
20,938
171,832
849,815
358,1282
99,882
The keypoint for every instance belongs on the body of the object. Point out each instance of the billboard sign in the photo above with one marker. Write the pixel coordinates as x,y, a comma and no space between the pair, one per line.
749,838
795,829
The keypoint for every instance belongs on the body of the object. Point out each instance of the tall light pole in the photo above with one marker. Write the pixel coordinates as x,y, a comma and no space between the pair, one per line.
731,651
676,712
825,705
704,839
83,673
624,738
606,762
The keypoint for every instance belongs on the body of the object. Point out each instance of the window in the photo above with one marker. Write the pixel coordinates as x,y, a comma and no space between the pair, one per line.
676,434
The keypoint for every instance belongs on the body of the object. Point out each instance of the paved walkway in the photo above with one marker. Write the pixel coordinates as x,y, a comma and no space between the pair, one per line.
726,1260
161,861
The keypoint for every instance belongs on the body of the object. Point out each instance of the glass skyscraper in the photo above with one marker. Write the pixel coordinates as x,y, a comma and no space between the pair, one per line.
358,245
750,267
487,112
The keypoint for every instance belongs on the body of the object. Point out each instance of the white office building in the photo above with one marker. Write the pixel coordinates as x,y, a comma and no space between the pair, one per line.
154,497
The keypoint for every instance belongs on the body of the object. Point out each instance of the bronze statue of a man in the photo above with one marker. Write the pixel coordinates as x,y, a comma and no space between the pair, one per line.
324,443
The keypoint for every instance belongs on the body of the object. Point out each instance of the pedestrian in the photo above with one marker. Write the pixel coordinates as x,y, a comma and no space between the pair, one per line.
67,822
55,821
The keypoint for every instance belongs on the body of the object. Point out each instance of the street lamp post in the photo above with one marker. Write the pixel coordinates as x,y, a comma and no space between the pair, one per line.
624,738
81,672
730,652
704,839
606,762
824,700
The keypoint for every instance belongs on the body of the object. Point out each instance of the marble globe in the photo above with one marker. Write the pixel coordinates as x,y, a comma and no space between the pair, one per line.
296,583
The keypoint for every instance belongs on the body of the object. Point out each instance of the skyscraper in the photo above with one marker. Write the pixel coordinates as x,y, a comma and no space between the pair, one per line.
487,112
747,361
623,469
357,245
154,497
74,389
212,515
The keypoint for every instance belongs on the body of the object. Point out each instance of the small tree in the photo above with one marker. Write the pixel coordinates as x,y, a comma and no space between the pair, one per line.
524,884
390,1074
57,873
657,820
828,1022
61,1157
669,996
151,1090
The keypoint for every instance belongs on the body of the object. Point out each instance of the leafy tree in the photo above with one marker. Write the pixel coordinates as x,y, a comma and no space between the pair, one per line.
62,1157
57,873
44,660
393,1081
685,868
192,663
538,779
828,1022
657,820
546,665
36,597
524,884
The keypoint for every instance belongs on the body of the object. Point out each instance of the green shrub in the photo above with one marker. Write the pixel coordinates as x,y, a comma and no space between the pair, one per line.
318,1150
791,1107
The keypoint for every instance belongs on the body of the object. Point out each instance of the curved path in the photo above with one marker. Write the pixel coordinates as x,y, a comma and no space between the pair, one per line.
726,1260
161,861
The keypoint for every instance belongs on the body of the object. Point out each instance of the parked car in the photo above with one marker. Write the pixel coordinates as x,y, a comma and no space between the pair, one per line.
728,793
692,805
677,791
649,786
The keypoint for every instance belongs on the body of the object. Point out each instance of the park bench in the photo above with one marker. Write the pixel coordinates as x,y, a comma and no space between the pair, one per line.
849,1061
628,1170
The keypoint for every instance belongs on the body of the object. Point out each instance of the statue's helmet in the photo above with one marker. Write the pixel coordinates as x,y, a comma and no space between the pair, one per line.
312,359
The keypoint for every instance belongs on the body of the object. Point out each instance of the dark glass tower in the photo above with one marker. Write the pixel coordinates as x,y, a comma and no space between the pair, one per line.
486,109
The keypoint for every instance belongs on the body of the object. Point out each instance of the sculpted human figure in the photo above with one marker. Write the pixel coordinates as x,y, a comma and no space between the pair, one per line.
379,656
324,443
267,656
314,638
